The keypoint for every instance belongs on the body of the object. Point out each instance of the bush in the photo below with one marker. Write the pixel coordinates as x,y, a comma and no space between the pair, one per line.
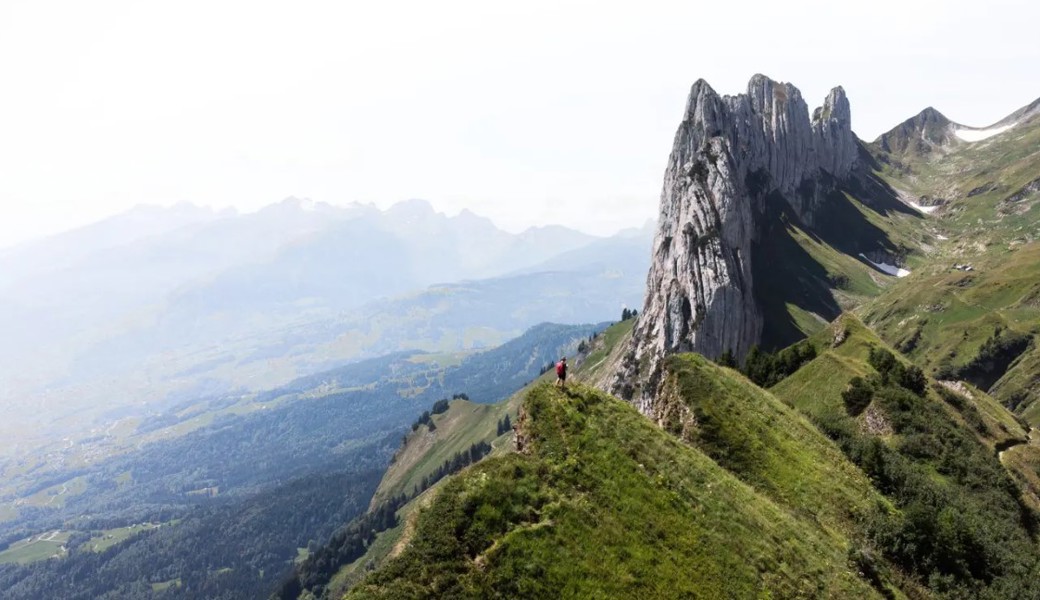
767,370
892,371
994,358
913,379
961,532
726,359
857,396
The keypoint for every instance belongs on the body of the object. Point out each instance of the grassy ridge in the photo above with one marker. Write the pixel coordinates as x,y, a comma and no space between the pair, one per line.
769,445
463,424
737,496
608,505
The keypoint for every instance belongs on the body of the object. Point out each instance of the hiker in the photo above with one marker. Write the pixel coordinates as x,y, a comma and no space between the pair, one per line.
561,372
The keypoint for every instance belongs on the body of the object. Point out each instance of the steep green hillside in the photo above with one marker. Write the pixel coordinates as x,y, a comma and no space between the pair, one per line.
817,390
766,443
405,489
970,312
601,503
844,349
838,497
964,526
906,499
454,431
805,276
980,325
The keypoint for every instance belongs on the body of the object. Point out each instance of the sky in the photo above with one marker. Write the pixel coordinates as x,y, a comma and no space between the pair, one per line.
529,113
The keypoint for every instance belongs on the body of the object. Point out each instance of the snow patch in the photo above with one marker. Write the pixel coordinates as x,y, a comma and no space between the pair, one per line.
922,209
941,237
977,135
887,268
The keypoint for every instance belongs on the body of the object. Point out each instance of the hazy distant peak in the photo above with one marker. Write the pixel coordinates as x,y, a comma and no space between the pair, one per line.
471,218
548,233
303,204
645,230
413,206
182,208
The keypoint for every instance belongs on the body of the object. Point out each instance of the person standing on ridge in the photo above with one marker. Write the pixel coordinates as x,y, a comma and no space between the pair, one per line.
561,373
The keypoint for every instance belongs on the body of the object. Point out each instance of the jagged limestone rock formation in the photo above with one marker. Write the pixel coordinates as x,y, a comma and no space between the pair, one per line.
732,156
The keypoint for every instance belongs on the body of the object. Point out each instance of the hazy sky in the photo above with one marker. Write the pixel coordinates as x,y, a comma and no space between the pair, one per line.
528,112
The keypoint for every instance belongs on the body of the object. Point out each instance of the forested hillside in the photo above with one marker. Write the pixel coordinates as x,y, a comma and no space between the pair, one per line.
242,487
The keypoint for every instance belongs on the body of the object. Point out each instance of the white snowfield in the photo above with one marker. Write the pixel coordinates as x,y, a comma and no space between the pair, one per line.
922,209
977,135
890,269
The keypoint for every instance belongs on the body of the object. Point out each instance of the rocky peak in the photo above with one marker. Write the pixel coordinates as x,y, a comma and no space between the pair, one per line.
921,134
837,147
732,156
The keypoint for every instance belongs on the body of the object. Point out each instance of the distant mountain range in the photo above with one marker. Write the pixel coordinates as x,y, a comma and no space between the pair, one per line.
831,390
157,304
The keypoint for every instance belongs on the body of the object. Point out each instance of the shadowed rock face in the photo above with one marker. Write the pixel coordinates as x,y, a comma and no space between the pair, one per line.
732,155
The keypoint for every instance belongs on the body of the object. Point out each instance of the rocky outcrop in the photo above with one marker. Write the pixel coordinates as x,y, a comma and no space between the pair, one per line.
732,157
1027,112
923,133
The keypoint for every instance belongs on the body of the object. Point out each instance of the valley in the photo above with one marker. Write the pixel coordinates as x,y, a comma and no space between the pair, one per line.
830,388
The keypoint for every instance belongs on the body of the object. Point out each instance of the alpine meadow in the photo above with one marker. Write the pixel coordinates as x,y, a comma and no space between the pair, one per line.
799,365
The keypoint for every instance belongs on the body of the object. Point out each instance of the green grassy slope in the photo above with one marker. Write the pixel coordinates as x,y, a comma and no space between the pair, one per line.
990,220
942,318
732,492
598,364
964,526
35,548
422,452
387,544
806,275
816,388
465,423
605,504
765,443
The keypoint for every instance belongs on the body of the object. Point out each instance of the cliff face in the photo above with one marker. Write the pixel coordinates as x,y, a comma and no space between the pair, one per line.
732,156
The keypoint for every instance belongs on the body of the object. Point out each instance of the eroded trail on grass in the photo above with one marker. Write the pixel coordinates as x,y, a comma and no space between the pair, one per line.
1006,445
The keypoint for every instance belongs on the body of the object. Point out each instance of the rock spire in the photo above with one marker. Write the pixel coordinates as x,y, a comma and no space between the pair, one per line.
732,156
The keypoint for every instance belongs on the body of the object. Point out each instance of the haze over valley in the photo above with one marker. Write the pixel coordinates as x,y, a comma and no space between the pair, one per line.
571,300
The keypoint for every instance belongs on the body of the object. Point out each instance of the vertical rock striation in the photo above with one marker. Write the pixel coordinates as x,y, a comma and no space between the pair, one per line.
732,156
